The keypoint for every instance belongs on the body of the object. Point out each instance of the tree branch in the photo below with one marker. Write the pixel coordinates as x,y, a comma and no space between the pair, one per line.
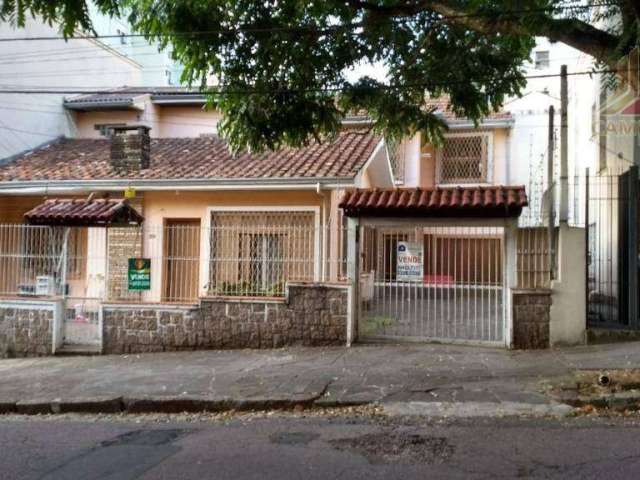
571,31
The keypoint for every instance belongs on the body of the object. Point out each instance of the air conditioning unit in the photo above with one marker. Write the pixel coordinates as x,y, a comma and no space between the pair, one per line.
26,289
45,285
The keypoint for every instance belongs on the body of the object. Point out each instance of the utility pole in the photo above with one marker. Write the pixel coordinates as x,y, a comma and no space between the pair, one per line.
550,194
564,147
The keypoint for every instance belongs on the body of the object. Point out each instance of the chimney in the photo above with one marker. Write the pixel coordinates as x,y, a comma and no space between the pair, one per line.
130,148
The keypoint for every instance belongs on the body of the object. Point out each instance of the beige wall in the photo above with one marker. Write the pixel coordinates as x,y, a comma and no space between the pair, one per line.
160,206
165,121
420,163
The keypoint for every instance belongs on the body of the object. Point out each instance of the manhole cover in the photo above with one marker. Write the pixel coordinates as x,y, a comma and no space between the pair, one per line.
398,447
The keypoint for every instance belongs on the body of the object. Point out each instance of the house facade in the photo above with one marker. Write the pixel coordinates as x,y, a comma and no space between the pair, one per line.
263,250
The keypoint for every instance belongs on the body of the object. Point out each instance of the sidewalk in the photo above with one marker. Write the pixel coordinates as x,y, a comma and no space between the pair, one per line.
405,379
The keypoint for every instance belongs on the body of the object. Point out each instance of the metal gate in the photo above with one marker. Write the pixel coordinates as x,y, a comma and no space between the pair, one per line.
82,322
612,217
432,283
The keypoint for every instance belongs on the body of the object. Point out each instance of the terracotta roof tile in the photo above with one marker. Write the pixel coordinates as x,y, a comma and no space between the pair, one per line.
79,212
442,106
194,158
492,201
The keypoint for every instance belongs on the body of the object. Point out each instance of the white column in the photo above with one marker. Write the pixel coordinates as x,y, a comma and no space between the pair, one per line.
510,276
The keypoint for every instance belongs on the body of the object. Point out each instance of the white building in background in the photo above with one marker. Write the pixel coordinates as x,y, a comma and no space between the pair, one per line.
32,119
529,140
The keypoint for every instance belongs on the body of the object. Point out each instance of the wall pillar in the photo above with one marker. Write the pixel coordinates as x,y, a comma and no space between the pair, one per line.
568,321
511,276
353,269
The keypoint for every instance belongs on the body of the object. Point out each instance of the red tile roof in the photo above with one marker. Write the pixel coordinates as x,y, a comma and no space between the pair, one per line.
493,201
442,106
87,213
194,158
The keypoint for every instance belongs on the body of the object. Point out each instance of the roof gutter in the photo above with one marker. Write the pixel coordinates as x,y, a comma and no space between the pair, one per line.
497,123
178,99
113,105
79,186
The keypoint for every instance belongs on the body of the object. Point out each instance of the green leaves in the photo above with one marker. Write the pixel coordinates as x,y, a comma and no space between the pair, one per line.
71,15
281,65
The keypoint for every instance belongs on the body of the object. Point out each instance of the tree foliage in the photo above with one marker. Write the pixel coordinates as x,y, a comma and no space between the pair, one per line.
281,64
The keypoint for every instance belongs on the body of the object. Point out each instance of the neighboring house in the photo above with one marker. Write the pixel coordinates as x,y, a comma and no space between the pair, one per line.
51,64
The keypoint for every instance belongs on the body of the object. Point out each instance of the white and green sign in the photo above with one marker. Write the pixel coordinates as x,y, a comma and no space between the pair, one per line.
139,274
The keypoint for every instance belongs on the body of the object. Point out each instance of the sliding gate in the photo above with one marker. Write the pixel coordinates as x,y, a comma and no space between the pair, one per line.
432,283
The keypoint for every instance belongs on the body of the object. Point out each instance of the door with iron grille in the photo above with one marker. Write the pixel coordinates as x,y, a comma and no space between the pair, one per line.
432,283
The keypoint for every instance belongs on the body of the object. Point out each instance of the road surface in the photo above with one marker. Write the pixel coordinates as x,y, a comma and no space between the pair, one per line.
315,447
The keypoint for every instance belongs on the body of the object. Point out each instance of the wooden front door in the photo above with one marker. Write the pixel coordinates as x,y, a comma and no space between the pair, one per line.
182,260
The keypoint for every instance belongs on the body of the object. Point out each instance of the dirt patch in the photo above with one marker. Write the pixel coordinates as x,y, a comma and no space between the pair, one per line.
598,391
398,447
601,381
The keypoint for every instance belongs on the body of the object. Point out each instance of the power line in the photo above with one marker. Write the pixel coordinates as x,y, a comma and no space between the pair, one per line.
218,91
307,28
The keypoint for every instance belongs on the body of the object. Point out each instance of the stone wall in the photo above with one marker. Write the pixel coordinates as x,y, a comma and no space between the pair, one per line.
25,330
531,318
123,243
311,315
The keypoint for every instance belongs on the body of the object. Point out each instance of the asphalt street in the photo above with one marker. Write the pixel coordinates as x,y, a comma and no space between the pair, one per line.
315,447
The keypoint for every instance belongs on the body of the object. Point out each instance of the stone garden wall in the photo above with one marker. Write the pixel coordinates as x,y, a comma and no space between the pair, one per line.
310,315
26,329
531,318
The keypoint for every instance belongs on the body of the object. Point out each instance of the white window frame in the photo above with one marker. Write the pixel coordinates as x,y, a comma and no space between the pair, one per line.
538,63
489,174
205,250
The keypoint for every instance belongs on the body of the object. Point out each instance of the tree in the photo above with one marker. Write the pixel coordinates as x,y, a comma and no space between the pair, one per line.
281,63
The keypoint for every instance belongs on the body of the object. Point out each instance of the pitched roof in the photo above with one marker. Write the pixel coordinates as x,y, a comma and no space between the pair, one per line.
127,96
442,106
194,158
86,213
492,202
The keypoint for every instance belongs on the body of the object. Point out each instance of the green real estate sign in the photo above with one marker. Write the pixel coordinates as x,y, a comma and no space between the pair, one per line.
139,274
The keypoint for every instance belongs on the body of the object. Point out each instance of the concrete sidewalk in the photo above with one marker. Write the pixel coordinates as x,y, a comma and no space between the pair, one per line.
406,379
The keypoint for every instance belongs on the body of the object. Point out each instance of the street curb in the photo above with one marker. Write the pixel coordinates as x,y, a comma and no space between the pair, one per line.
35,406
168,404
618,400
7,406
476,409
88,405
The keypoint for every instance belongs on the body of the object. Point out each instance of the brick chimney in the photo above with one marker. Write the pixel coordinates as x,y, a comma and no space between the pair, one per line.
130,148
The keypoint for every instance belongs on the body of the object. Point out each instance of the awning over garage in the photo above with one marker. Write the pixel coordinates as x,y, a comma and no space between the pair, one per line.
439,202
84,213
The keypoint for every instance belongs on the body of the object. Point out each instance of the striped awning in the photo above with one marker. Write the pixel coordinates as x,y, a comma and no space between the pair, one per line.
84,213
474,202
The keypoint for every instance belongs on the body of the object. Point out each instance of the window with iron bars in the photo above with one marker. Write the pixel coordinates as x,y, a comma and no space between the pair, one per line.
42,249
256,253
464,158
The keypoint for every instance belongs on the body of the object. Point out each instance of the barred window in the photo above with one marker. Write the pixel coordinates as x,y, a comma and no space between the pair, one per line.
464,159
42,248
256,253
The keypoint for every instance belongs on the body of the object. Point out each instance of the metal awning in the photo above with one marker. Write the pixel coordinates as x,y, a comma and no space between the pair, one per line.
84,213
438,202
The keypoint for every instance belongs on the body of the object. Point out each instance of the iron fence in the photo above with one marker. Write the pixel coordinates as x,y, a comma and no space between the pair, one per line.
238,254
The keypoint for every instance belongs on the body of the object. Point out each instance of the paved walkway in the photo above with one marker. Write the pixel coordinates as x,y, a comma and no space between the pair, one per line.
396,375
